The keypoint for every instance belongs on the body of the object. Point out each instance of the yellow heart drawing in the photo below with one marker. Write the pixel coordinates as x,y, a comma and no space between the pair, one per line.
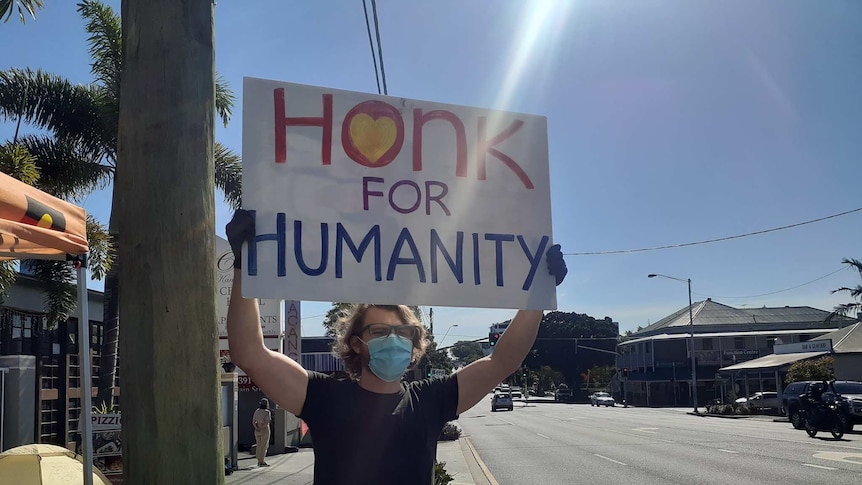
373,138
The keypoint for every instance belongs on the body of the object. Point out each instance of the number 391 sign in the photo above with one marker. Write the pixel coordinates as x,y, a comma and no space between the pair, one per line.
366,198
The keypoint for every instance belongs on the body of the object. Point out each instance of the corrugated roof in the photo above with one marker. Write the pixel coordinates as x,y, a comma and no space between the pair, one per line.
772,360
711,313
845,340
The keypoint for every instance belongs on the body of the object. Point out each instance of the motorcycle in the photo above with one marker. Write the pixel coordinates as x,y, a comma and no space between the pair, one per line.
824,417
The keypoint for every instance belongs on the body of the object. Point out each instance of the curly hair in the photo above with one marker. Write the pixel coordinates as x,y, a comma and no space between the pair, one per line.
349,325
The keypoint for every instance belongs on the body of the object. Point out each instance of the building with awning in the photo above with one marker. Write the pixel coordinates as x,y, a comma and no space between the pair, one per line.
845,346
658,358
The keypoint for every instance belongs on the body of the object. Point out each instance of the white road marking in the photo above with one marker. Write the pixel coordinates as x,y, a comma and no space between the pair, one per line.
728,451
819,466
645,430
543,436
855,458
609,459
506,421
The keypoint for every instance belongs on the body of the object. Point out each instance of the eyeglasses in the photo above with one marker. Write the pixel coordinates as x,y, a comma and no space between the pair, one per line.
377,330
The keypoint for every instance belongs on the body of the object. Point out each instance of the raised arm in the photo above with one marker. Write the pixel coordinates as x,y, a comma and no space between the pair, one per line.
280,377
476,380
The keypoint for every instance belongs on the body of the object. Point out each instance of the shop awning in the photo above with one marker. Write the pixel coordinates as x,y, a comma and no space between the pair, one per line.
772,361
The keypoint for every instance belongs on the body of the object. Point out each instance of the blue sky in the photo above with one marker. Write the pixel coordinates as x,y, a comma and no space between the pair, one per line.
669,122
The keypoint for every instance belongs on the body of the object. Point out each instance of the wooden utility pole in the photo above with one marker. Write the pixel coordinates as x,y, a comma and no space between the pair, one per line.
170,386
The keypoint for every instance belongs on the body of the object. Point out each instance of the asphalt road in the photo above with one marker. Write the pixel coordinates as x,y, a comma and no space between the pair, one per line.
551,443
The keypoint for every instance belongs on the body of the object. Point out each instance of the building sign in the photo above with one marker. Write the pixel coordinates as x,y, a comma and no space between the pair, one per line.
293,331
359,197
108,446
270,310
740,355
824,345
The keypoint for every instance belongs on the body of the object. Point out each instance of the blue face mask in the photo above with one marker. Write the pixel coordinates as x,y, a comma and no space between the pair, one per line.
390,356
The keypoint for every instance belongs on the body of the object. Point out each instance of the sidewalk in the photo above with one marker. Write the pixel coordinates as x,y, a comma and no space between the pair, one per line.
298,468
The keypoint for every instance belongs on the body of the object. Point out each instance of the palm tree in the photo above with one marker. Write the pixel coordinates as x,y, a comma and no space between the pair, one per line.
847,309
79,153
29,6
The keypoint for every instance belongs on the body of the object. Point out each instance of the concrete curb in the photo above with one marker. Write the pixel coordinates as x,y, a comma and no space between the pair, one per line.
481,474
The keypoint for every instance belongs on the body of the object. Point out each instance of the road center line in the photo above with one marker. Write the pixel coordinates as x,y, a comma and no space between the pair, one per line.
819,466
609,459
728,451
543,436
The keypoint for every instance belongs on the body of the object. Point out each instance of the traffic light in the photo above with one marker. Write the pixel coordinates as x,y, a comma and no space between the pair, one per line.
626,372
493,337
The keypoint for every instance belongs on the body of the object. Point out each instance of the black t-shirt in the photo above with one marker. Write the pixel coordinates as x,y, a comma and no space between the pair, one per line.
361,437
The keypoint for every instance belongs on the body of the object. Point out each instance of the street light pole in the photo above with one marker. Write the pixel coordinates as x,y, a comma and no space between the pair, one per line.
447,333
693,388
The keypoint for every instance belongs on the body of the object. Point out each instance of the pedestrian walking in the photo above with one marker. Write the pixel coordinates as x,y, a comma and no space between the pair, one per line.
260,420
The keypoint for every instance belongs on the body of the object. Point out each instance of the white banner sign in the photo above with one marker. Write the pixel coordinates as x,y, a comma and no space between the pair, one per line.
367,198
270,310
809,346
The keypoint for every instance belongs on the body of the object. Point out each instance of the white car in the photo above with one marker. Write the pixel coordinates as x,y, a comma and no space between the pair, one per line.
602,399
761,400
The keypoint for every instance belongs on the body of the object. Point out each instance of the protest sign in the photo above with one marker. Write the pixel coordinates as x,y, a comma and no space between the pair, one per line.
367,198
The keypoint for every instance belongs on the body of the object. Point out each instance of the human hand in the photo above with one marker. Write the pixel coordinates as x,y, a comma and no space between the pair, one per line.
556,264
240,229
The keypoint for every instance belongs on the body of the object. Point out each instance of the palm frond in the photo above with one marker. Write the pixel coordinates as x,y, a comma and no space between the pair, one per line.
8,273
67,169
224,99
847,309
58,278
853,263
228,175
105,41
28,6
53,103
102,252
17,162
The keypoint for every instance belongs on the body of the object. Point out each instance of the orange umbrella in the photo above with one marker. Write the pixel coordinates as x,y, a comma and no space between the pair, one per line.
44,465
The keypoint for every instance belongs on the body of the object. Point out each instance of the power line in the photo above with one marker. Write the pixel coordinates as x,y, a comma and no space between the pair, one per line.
638,250
779,291
379,46
371,44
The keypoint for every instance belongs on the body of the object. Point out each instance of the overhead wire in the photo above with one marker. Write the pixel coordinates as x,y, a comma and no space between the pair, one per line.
778,291
371,44
379,47
707,241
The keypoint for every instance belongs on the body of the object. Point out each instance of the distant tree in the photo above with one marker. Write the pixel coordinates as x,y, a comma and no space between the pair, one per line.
847,309
821,369
467,352
547,378
28,6
338,310
599,376
434,359
556,345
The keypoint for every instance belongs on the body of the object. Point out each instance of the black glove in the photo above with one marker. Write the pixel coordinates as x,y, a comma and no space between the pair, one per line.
556,264
239,230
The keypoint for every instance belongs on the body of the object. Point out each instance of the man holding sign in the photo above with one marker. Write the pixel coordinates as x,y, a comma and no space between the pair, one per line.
358,197
374,428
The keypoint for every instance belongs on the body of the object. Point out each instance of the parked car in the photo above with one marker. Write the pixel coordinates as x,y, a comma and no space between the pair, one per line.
850,391
501,401
601,399
761,400
563,395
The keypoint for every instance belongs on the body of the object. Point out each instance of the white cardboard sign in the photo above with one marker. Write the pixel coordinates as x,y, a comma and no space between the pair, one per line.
368,198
